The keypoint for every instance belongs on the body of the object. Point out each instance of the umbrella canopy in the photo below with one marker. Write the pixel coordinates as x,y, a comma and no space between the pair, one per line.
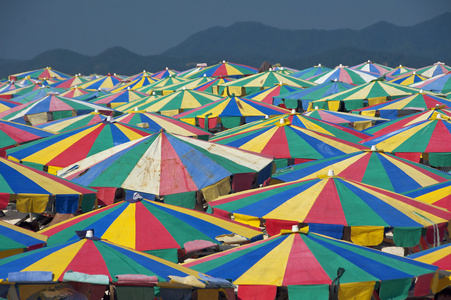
164,164
310,266
155,228
134,84
254,83
93,94
66,148
429,137
6,104
20,91
74,92
51,108
17,240
174,103
267,95
164,73
189,72
33,93
9,86
372,67
438,194
409,79
118,98
415,102
437,84
156,122
332,200
40,74
144,73
103,82
303,97
434,70
310,72
70,82
375,168
32,189
170,80
208,86
399,70
230,112
226,69
355,121
370,93
344,74
185,85
288,142
71,123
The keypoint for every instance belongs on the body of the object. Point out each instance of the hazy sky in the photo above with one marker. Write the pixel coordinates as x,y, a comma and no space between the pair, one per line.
27,28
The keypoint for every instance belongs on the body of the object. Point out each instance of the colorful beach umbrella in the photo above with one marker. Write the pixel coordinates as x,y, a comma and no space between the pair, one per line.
134,84
93,94
302,98
17,240
103,82
230,112
373,92
344,74
312,266
156,122
254,83
267,95
434,70
32,189
286,142
329,203
372,67
164,230
119,98
399,70
438,194
409,79
189,72
70,123
375,168
66,148
51,108
437,84
174,103
359,122
310,72
208,86
165,164
74,92
164,73
20,91
131,106
36,93
40,74
6,104
70,82
142,74
225,69
170,80
185,85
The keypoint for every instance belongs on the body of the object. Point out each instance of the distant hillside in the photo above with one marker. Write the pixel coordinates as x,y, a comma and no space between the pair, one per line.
252,43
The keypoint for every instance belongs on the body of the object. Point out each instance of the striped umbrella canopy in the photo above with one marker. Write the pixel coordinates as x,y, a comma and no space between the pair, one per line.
438,194
156,122
230,112
429,137
51,107
167,81
92,256
284,70
310,72
267,95
70,82
355,121
93,94
134,84
174,103
373,92
331,200
375,168
254,83
32,189
437,84
20,91
286,141
144,73
344,74
156,228
416,102
313,266
372,67
9,86
303,97
34,93
226,69
185,85
208,86
58,151
47,72
134,104
164,73
48,82
119,98
74,92
103,82
301,121
164,164
70,123
434,70
17,240
409,79
189,72
6,104
399,70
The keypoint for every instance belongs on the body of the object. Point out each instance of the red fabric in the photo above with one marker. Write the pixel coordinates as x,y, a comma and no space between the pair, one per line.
430,233
422,285
273,227
4,200
277,146
257,292
437,142
412,156
242,182
357,170
212,122
301,160
105,195
195,245
221,213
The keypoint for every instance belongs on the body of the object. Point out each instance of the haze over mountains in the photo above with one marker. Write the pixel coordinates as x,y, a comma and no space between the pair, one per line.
252,43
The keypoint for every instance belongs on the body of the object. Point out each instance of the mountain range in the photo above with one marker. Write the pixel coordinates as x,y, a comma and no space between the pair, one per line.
252,43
